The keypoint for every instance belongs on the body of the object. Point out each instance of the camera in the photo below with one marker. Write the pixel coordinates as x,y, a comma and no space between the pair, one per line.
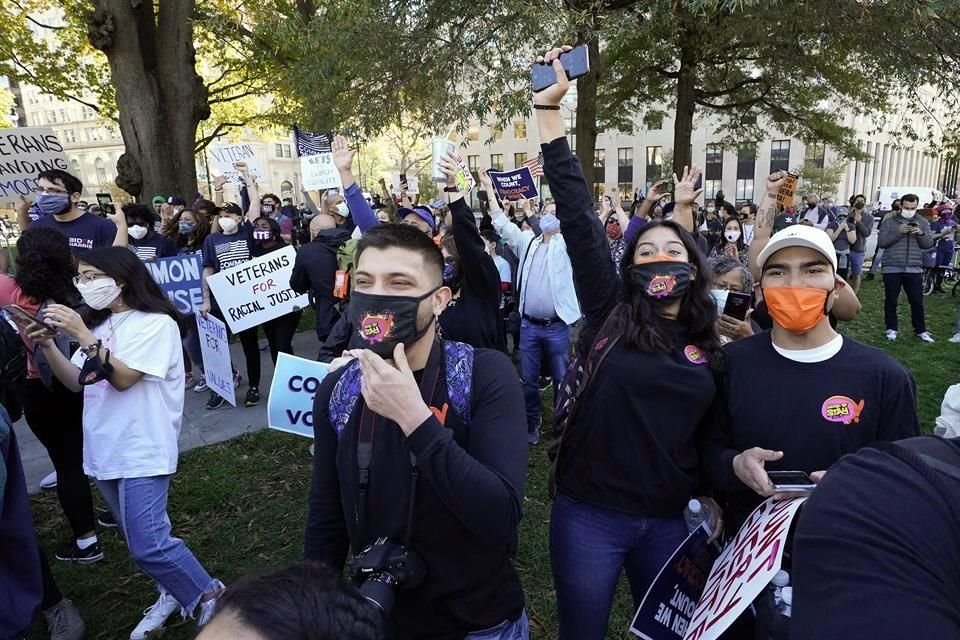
383,568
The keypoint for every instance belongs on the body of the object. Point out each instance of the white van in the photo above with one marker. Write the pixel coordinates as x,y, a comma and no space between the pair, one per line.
883,200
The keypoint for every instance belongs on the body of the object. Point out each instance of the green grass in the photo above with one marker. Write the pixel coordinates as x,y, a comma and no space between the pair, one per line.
241,505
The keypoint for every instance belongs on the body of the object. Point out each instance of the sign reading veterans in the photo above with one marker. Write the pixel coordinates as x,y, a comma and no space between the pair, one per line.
668,605
319,172
25,152
224,156
514,185
295,383
180,279
215,347
258,290
744,569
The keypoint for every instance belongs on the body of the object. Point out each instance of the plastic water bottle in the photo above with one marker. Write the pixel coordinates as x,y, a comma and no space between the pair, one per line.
780,582
786,605
694,515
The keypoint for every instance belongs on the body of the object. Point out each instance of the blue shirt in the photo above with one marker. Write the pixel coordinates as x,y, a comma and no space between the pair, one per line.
222,251
86,233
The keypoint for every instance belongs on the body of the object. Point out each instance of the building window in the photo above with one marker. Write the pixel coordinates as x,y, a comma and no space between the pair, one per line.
814,154
496,132
654,164
69,135
519,159
52,116
779,156
496,161
520,130
625,169
101,171
599,172
746,168
75,168
713,171
473,133
278,149
286,151
88,113
473,162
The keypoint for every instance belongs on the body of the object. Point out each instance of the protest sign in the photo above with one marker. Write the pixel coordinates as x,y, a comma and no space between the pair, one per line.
253,292
787,191
668,605
744,569
224,156
295,383
413,184
319,172
514,185
465,179
25,152
180,279
215,347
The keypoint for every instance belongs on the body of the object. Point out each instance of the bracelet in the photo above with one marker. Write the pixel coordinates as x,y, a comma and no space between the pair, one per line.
547,107
91,348
453,189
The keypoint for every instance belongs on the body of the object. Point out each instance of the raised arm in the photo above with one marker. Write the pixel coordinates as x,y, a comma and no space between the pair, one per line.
363,216
218,182
685,194
253,192
386,199
23,219
766,213
308,201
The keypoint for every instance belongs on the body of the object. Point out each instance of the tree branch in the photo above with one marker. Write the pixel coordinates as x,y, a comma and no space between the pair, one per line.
725,92
33,76
202,143
34,21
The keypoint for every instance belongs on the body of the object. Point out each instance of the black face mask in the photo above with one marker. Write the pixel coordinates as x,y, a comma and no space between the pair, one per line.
383,322
661,282
266,209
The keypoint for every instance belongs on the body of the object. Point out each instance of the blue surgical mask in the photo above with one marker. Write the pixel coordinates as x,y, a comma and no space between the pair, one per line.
51,204
186,228
549,224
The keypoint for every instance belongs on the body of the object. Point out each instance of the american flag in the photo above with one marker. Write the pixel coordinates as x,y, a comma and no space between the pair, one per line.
310,144
535,165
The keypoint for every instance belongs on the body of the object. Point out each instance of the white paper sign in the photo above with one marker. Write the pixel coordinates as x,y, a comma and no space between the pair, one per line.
319,172
413,185
215,347
25,152
225,156
256,291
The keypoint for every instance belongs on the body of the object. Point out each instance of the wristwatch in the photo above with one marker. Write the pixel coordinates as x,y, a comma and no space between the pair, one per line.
453,189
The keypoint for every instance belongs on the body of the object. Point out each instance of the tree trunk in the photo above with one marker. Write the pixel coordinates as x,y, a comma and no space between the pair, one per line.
686,103
586,127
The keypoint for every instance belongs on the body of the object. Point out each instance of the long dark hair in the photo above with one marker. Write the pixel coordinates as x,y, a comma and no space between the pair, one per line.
722,240
641,326
195,238
45,266
140,290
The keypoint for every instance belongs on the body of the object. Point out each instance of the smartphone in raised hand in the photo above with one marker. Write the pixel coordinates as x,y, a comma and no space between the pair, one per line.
105,200
576,63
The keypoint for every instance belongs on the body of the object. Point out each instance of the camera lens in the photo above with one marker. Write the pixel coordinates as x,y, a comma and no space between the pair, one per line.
379,591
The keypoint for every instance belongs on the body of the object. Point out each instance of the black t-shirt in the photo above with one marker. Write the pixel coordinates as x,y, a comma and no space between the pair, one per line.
85,233
222,251
152,247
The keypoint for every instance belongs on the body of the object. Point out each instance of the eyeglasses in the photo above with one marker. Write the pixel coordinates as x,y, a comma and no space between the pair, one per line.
87,278
54,192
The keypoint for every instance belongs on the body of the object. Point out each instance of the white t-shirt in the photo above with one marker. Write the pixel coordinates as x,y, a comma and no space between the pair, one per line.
133,433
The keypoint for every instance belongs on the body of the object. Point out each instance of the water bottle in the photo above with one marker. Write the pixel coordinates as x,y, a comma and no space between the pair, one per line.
695,515
780,582
787,604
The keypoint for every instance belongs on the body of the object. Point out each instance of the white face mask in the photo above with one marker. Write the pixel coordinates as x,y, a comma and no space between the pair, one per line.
908,214
343,209
732,236
711,209
228,225
720,297
100,293
137,232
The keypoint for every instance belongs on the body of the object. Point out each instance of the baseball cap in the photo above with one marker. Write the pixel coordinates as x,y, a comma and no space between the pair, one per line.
233,208
158,200
176,201
784,220
799,235
420,211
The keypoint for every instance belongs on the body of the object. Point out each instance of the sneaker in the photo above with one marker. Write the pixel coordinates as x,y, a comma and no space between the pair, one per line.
215,401
544,383
64,621
926,337
237,379
155,615
891,334
106,520
73,553
189,380
208,608
49,481
201,385
955,338
253,397
533,434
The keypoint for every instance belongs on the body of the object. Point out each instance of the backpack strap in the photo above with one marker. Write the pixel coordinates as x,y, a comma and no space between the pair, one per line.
343,398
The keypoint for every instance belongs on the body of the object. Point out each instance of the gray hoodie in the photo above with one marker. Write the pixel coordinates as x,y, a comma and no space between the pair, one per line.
903,253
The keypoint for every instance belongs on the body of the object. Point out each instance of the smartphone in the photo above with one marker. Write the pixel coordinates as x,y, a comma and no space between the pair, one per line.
104,200
576,63
791,481
737,305
403,182
23,318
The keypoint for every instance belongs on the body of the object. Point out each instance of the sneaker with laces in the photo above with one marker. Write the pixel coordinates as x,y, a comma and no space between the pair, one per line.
49,481
64,621
73,553
208,608
926,337
201,385
215,401
253,397
891,334
155,616
533,434
955,338
106,520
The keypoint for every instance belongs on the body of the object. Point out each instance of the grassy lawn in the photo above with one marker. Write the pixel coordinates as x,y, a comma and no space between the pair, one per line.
241,505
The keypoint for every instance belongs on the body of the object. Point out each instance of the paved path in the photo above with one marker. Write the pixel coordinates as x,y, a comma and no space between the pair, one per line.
200,426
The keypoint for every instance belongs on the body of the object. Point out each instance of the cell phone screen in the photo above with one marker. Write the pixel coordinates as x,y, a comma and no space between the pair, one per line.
790,479
104,199
576,63
737,305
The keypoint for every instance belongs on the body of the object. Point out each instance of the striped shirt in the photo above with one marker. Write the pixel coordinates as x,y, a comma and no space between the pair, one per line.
222,251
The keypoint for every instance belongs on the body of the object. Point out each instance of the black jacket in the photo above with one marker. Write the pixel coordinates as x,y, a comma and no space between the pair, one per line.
314,271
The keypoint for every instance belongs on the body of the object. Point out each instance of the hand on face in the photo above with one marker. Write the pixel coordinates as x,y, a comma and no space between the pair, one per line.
391,390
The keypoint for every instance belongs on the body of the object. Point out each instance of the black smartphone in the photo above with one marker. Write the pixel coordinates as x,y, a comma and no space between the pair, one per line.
403,182
791,481
576,63
104,200
737,305
23,319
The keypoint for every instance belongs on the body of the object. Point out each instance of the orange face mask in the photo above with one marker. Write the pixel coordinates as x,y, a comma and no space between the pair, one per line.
796,309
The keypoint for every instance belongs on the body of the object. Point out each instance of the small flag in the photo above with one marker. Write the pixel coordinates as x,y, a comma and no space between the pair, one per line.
310,144
535,165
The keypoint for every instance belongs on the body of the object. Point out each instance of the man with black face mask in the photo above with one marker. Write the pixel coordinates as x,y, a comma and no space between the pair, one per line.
270,207
862,224
422,442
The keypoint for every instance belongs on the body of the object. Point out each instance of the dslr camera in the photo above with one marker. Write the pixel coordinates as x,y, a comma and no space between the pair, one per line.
383,568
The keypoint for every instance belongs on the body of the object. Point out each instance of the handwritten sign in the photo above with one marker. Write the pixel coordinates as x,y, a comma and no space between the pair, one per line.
295,383
215,348
787,191
465,179
669,603
25,152
225,156
180,279
413,184
319,172
744,569
258,290
514,185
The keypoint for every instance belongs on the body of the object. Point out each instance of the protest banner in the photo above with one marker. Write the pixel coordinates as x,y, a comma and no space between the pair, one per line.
787,191
251,293
514,185
465,179
668,605
25,152
295,383
180,278
319,172
744,569
413,185
215,347
224,156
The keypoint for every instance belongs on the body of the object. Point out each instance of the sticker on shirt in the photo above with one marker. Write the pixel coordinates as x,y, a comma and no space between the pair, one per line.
841,409
661,285
376,327
695,354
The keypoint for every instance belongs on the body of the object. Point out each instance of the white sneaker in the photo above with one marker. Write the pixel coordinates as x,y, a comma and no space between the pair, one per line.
155,616
955,338
208,608
201,385
891,334
50,480
926,337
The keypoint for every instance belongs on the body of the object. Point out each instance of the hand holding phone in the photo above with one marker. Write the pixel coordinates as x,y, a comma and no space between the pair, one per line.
737,305
576,63
24,319
105,201
791,481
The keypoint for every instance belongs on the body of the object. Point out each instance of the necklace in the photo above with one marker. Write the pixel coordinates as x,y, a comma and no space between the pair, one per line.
114,327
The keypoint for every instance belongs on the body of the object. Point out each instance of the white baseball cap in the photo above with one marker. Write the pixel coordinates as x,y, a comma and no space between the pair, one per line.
799,235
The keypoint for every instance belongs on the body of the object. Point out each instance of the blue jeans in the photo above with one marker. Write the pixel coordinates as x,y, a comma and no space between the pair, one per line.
589,547
536,342
518,629
140,508
856,262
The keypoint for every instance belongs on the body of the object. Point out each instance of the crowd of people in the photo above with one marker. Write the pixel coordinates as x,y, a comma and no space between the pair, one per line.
689,351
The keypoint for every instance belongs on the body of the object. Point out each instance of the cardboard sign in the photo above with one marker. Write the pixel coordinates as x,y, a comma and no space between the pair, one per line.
25,152
295,383
225,156
319,172
215,347
180,278
744,569
787,191
514,185
465,179
669,603
251,293
413,185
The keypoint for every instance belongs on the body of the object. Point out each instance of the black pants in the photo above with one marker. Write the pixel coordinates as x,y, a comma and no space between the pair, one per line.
51,593
912,284
249,341
56,418
279,332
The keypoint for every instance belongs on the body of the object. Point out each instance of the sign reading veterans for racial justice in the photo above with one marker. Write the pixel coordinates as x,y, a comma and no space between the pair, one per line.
225,156
180,279
319,172
295,383
25,152
744,569
258,290
514,185
215,348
